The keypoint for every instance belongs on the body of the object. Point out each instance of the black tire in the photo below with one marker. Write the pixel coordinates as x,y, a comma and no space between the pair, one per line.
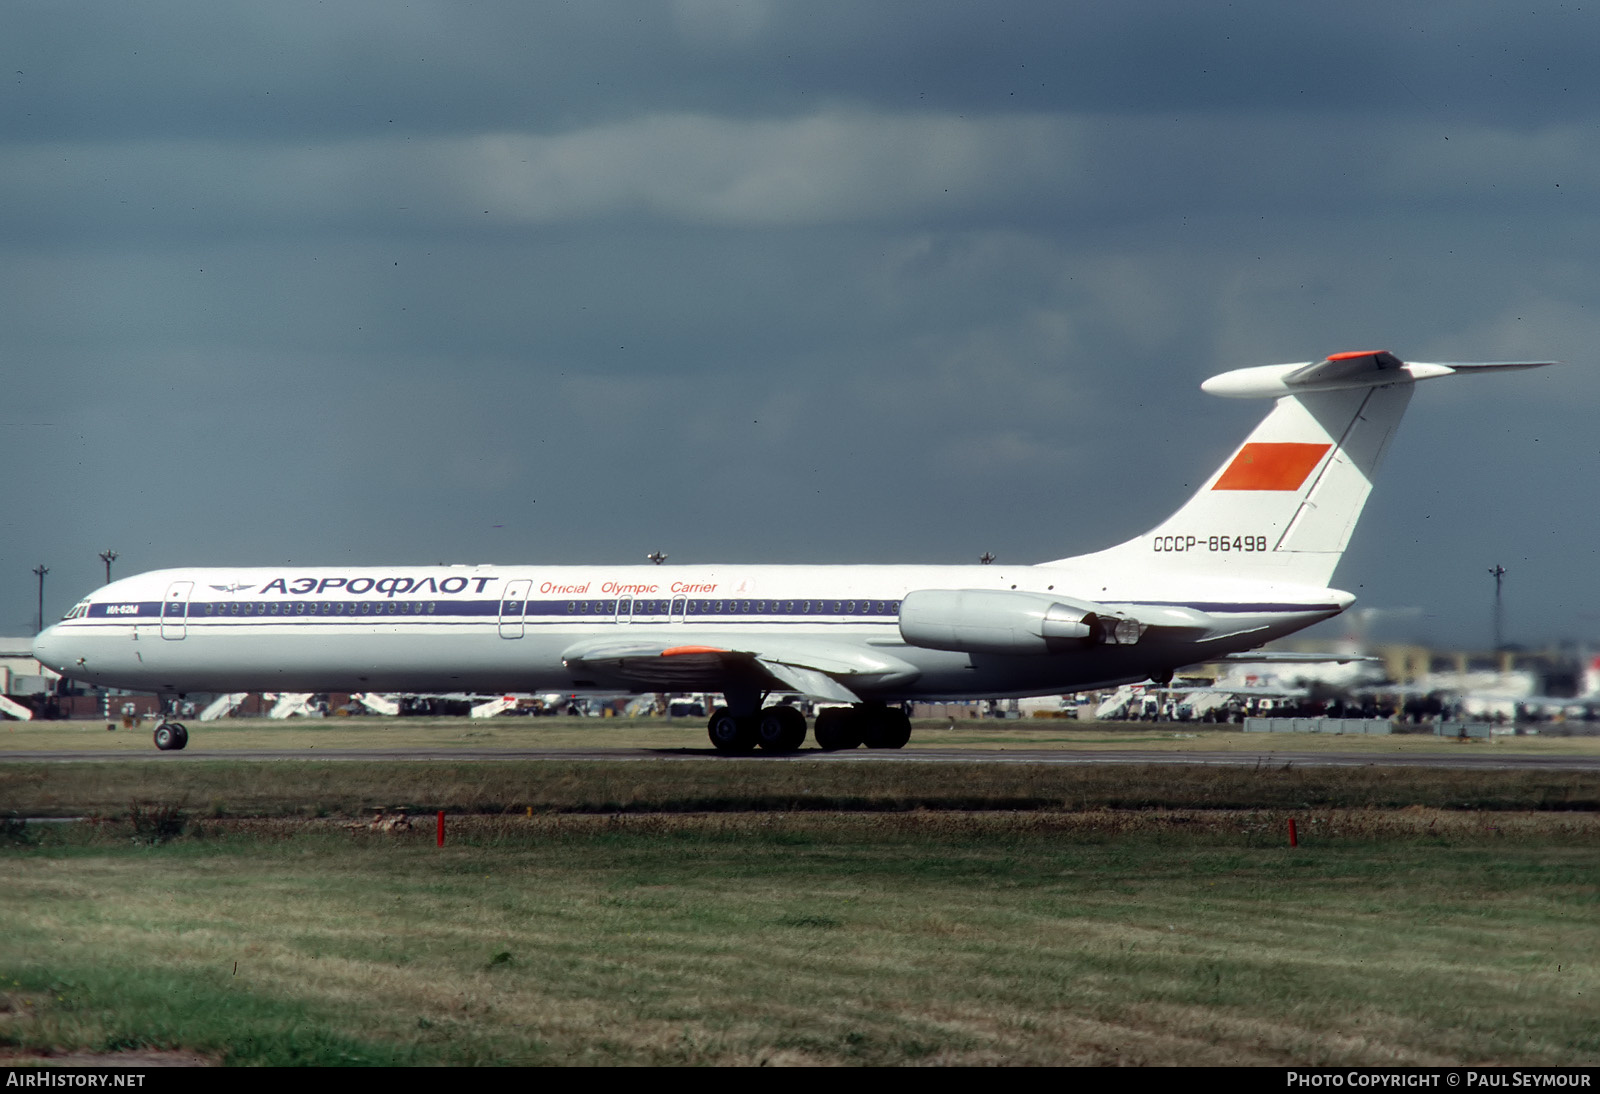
729,735
796,728
887,727
837,728
781,729
180,736
164,737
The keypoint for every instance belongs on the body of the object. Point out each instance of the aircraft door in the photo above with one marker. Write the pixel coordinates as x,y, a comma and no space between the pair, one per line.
678,605
625,609
514,606
175,610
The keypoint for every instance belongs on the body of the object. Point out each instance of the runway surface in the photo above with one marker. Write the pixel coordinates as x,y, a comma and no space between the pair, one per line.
1464,759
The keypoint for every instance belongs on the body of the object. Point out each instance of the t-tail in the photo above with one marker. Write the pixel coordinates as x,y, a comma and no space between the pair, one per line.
1283,505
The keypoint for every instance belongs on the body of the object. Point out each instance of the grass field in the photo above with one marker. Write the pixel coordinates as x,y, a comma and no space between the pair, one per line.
709,911
1403,937
312,788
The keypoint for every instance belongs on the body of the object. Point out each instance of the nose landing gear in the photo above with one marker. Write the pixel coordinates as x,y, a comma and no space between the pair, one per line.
171,736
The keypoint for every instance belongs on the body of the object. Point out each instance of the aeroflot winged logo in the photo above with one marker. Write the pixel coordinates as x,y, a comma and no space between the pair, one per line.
1279,465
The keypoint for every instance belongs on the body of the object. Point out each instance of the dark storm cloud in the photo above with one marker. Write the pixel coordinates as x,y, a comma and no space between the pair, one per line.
777,281
317,71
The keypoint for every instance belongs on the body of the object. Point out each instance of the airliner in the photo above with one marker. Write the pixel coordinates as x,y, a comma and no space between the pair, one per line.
1246,560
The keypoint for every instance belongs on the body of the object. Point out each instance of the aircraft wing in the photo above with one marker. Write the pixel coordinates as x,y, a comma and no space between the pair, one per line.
815,668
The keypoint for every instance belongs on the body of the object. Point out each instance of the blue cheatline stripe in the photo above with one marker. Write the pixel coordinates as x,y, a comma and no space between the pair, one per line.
697,609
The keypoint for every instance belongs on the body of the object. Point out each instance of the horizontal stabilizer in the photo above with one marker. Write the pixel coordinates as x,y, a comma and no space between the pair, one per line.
1343,372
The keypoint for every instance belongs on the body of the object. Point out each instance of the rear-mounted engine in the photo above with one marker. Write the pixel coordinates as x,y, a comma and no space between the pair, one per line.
1000,621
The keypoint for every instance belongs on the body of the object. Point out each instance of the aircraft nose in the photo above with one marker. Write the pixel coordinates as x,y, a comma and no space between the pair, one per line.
50,648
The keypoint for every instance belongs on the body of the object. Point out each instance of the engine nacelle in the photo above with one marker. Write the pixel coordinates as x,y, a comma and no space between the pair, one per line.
1001,621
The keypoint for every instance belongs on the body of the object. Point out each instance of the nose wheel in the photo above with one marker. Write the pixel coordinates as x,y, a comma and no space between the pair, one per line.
171,736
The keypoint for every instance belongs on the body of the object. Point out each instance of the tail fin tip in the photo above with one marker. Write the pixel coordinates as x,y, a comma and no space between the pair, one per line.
1343,372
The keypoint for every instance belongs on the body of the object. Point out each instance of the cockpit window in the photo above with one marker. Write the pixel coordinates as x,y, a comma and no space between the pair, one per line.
78,611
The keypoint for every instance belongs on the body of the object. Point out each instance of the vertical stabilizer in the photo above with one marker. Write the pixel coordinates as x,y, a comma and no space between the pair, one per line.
1283,505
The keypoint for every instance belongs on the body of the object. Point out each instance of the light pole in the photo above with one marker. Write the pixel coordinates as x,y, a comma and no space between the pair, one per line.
41,570
108,557
1499,573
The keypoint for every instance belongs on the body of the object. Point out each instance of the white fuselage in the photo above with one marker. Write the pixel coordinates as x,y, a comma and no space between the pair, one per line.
507,628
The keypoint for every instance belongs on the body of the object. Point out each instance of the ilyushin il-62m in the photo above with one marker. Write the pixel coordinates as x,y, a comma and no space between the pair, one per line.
1246,560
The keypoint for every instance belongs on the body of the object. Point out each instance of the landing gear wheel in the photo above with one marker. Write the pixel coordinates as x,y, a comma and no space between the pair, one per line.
730,735
837,728
171,736
781,729
887,727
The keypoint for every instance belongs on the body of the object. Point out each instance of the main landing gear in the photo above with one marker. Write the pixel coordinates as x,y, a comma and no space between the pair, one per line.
783,729
171,736
869,724
774,729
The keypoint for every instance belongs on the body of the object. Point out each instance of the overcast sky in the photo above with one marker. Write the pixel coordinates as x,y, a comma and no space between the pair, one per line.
384,282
